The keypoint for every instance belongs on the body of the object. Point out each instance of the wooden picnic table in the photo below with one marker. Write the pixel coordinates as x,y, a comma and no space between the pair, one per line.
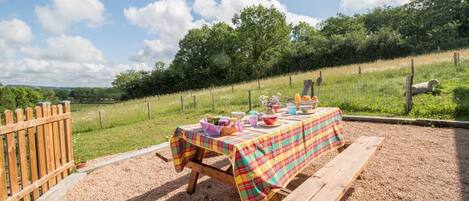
263,160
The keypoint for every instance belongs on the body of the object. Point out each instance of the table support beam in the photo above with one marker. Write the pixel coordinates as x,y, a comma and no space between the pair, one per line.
194,176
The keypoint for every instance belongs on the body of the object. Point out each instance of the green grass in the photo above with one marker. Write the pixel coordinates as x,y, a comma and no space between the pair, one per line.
378,91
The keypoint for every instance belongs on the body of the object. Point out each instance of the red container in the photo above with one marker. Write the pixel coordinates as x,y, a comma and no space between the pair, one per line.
276,108
270,120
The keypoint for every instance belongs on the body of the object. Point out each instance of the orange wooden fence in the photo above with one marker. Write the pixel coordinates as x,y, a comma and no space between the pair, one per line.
36,150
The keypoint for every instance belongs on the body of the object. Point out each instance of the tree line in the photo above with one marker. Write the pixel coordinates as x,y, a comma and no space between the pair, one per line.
12,97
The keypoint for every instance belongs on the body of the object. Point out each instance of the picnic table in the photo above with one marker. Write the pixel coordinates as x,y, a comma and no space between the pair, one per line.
263,160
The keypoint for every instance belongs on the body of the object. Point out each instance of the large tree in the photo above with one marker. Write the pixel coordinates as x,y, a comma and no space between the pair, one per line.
263,34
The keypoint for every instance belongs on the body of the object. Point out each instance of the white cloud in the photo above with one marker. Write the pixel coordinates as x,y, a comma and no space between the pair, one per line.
66,48
61,14
361,5
224,10
15,31
63,60
170,20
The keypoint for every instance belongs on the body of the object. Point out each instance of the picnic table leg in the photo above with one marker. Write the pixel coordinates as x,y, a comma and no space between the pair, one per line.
342,148
194,176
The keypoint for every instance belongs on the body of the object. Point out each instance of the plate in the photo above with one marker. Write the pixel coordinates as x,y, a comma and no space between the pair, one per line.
269,126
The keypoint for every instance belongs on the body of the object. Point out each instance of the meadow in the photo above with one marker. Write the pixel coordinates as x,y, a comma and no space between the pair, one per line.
378,91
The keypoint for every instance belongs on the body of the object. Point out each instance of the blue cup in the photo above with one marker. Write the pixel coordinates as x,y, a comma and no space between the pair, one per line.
292,109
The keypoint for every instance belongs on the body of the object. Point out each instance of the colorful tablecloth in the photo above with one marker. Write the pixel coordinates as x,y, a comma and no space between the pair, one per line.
264,160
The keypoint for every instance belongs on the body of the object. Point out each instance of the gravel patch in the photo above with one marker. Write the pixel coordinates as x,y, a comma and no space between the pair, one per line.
414,163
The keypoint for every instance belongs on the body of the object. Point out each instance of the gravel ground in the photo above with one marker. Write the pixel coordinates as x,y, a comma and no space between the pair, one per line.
415,163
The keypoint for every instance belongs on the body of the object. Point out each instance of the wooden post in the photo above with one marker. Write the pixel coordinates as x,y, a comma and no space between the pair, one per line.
100,118
290,81
182,104
312,89
359,70
250,100
232,88
412,68
194,102
455,58
459,61
149,110
408,102
307,84
258,84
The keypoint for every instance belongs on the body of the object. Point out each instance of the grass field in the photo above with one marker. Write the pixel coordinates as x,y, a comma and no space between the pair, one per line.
377,91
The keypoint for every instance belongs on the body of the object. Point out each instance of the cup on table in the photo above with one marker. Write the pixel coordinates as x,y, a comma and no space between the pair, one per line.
253,120
292,109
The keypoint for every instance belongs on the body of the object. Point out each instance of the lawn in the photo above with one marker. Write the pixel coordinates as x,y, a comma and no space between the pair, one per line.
378,90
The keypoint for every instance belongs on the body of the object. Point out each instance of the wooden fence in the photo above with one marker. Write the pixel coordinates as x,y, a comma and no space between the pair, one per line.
35,150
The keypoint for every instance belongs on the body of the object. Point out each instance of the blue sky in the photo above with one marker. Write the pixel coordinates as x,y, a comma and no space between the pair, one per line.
86,42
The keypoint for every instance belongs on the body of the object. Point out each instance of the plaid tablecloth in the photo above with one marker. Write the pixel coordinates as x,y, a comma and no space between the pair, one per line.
264,160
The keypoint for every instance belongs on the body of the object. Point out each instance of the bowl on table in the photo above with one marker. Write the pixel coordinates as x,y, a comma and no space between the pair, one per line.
306,109
270,119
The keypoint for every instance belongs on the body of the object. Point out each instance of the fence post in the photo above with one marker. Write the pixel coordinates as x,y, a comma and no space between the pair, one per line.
359,70
182,104
100,118
312,89
408,102
258,84
250,100
290,81
412,68
149,110
232,88
455,58
459,61
193,101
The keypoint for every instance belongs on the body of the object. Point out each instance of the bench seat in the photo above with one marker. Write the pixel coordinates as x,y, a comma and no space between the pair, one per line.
333,180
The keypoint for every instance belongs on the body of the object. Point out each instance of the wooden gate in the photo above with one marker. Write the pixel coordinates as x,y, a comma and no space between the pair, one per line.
35,150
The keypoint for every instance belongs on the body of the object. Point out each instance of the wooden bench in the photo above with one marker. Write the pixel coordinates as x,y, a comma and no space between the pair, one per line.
333,180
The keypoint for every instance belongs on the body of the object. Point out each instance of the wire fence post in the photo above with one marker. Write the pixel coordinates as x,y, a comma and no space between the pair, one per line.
290,81
408,102
312,88
455,58
149,110
250,100
359,70
182,104
258,84
232,88
412,67
100,114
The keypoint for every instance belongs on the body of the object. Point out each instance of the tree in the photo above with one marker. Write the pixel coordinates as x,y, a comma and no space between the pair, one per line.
263,33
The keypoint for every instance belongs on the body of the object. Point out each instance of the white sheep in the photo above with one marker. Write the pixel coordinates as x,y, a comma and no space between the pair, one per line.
424,87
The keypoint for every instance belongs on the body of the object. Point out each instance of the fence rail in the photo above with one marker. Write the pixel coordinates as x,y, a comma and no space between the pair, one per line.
36,150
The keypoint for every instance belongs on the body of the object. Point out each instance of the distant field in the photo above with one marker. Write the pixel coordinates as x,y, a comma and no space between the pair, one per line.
378,91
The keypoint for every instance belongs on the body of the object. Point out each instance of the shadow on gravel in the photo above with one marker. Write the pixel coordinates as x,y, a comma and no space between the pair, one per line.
168,187
461,97
462,146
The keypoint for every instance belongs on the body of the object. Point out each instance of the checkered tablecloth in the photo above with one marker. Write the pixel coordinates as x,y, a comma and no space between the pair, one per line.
264,160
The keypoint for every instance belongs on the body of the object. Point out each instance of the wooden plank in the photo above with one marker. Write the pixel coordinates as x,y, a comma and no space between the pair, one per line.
335,189
63,156
3,176
212,172
315,183
337,168
55,141
32,152
307,85
409,102
68,134
11,150
31,123
41,182
22,152
41,153
194,176
50,164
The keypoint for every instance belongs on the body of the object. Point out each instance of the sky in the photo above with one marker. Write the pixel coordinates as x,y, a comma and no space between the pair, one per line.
85,43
